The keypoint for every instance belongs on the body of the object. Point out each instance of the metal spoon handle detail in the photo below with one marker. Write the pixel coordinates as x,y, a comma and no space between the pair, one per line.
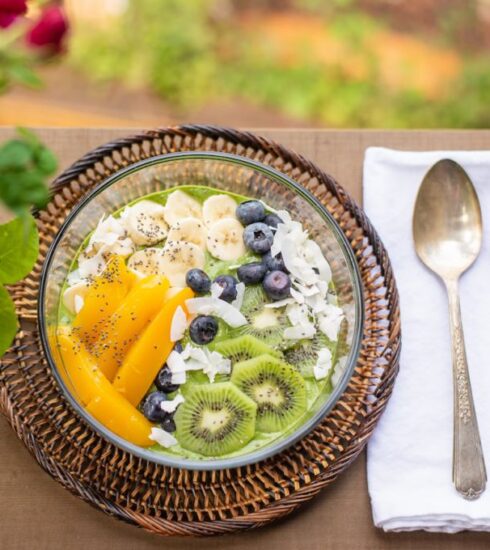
469,474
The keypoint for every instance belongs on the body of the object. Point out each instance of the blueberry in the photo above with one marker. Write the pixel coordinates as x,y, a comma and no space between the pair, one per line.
168,423
272,220
250,212
251,273
163,381
198,280
277,285
274,263
258,237
228,284
203,329
152,406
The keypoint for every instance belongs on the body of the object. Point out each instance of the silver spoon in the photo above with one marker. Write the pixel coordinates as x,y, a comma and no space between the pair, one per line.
447,230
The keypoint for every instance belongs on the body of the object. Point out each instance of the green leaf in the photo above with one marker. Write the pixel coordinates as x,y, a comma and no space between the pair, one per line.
23,188
29,137
15,154
46,162
8,320
19,247
24,75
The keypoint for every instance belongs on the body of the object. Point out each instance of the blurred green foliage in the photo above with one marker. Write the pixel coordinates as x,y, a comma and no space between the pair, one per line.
192,52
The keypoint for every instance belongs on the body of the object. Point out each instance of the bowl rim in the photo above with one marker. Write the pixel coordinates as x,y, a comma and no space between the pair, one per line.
175,461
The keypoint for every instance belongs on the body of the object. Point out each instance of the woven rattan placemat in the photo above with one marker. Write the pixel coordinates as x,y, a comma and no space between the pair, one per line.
175,502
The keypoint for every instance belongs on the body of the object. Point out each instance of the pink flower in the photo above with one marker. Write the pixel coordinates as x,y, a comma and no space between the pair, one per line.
10,10
48,32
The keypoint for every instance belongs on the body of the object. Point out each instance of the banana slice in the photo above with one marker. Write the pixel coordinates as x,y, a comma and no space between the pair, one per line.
218,207
74,295
191,230
145,222
181,205
225,239
178,258
147,262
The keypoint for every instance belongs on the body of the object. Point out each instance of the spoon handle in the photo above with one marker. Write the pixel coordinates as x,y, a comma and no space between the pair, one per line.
469,474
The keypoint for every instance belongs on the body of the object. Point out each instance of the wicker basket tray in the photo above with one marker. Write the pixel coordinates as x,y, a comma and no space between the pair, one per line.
170,501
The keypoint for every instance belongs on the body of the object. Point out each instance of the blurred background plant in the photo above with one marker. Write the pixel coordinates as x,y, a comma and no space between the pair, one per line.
30,34
25,166
365,63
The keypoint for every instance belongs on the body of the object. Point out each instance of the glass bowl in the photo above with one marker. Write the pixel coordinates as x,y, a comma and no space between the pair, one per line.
223,172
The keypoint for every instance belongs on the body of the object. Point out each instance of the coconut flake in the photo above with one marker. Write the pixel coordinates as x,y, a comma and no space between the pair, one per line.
297,296
90,267
215,306
163,438
179,325
176,362
78,303
300,331
74,278
171,405
314,256
178,378
240,293
323,364
216,290
210,362
297,314
329,321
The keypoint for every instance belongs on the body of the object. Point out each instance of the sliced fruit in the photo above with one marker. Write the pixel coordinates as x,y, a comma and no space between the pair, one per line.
243,348
215,419
146,262
191,230
103,297
181,205
121,329
217,207
265,324
225,239
178,258
145,222
120,417
80,367
303,354
147,355
276,387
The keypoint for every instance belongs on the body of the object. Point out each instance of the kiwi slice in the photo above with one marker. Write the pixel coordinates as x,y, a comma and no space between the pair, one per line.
265,324
277,388
304,353
242,348
215,419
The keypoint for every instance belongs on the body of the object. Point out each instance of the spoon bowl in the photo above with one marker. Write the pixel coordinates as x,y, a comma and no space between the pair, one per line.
447,222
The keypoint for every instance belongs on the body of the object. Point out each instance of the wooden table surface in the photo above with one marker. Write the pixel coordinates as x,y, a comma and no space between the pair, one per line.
36,513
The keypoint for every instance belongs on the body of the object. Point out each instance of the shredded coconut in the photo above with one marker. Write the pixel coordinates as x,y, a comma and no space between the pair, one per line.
163,438
209,305
171,405
323,364
179,325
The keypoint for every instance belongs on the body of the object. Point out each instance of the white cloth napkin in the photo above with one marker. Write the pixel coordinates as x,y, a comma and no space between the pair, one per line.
410,453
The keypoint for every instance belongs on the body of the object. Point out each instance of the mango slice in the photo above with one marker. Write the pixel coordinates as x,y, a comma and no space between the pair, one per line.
98,395
122,328
146,356
103,297
80,370
120,417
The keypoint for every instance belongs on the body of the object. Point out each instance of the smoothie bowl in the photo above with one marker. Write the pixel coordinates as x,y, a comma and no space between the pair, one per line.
201,310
